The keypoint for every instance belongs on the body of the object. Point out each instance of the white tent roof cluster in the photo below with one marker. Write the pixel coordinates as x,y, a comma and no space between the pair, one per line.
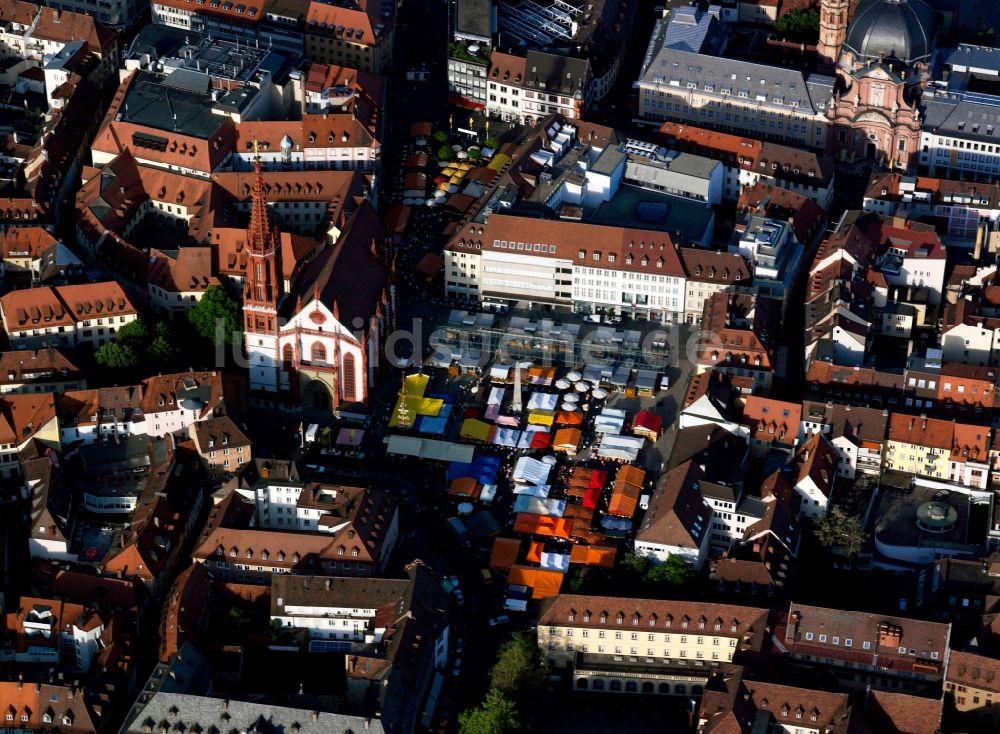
620,448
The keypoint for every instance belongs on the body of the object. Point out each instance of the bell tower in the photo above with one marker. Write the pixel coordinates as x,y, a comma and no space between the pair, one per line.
832,29
261,291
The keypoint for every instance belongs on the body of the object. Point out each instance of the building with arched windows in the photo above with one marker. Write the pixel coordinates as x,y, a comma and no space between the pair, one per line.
318,347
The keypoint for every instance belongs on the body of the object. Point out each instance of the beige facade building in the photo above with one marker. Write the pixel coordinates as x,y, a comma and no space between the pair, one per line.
645,646
974,683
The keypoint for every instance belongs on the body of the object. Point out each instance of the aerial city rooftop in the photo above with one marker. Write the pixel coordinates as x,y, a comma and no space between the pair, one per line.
490,366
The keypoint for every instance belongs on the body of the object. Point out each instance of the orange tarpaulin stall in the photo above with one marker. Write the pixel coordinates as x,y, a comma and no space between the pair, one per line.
628,487
566,418
465,487
593,555
587,485
534,553
542,582
558,527
567,439
505,552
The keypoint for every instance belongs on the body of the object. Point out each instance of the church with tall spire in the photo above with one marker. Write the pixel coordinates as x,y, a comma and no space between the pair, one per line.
317,349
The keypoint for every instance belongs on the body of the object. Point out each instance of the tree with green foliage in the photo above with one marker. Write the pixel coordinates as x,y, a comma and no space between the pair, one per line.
445,153
474,154
117,356
799,23
497,715
491,143
128,348
440,137
515,679
839,532
674,571
217,317
518,671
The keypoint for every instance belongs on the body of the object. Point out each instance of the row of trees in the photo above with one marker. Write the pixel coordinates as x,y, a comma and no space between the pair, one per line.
153,344
515,681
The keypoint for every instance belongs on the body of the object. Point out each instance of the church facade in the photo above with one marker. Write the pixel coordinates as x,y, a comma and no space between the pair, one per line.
881,59
323,353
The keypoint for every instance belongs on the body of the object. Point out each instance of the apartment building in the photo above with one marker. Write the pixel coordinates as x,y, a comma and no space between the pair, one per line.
36,34
709,272
771,423
678,519
774,253
336,612
643,646
358,35
576,266
739,337
749,162
472,24
52,632
686,79
66,316
815,475
963,206
38,370
969,336
973,683
857,434
731,699
863,649
529,88
263,23
316,142
938,449
222,446
910,256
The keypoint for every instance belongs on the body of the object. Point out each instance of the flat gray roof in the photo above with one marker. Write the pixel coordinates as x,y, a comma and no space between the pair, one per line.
152,103
474,18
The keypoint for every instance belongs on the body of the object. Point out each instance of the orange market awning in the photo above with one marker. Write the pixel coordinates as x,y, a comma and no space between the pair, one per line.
593,555
567,439
556,527
542,582
565,418
505,553
628,487
465,487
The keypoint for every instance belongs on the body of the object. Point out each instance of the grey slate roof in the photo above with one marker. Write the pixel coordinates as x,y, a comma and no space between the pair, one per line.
673,68
943,113
902,29
967,57
226,716
549,72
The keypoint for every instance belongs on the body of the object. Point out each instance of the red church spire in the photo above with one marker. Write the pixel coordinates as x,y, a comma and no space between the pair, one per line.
263,286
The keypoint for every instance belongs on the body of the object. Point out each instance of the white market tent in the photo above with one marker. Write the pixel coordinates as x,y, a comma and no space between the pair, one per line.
499,372
615,523
555,561
538,506
488,494
620,448
426,448
608,424
531,471
532,490
543,401
496,396
505,436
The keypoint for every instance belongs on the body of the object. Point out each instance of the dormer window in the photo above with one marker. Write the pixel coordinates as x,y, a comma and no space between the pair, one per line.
571,616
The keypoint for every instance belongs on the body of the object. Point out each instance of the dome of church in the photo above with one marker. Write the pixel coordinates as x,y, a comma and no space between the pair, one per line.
899,29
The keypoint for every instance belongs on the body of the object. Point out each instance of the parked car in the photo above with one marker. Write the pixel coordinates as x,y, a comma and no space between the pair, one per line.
498,620
456,669
460,597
